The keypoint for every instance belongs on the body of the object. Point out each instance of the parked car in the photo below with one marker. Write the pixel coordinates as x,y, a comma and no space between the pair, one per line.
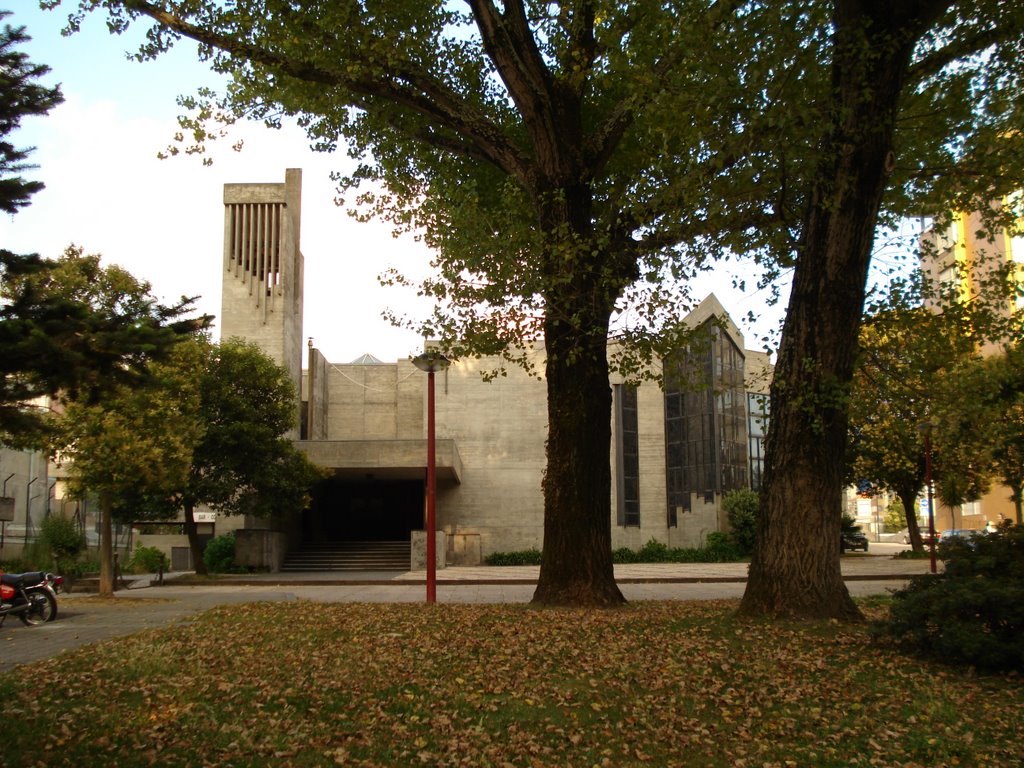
852,540
965,535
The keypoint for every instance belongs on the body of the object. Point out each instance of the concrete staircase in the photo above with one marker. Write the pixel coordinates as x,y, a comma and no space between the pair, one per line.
349,556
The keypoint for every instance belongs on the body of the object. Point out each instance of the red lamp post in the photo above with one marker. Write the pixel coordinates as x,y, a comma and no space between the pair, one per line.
431,361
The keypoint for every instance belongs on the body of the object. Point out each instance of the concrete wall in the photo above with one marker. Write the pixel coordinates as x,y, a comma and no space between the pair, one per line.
24,478
376,402
261,549
418,551
500,428
653,514
261,299
496,431
318,397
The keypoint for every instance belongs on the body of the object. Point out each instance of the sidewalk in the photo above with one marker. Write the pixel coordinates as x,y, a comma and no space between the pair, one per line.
854,567
83,618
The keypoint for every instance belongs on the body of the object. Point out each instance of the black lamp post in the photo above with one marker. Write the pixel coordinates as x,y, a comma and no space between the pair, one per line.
431,361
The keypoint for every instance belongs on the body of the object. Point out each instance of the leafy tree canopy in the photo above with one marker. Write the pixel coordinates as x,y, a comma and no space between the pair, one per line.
20,96
136,442
245,462
689,130
73,328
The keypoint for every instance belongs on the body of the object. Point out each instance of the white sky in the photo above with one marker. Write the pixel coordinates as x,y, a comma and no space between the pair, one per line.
163,219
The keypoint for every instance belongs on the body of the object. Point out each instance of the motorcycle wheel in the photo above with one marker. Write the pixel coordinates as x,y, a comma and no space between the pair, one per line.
44,608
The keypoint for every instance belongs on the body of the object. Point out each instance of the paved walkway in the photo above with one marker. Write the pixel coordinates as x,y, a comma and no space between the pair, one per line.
84,618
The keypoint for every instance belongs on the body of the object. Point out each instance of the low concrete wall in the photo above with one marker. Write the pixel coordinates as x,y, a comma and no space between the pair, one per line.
464,549
260,549
418,558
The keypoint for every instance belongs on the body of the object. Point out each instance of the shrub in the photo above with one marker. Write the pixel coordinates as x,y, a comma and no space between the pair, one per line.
63,541
35,556
654,552
523,557
722,548
147,560
718,549
741,508
849,524
973,612
62,536
219,555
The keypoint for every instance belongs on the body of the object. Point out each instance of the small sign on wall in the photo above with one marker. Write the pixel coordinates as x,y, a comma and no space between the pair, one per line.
6,509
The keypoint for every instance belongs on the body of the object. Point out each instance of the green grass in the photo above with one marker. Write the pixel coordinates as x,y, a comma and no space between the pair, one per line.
658,684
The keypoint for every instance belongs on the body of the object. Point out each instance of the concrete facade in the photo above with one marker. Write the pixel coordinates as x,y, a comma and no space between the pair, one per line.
366,421
27,496
262,294
491,448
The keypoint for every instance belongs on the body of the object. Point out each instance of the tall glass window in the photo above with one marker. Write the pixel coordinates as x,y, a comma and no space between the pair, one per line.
757,429
627,453
705,421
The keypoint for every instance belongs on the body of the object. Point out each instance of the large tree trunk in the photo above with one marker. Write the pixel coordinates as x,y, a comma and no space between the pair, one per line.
198,564
576,564
795,569
106,546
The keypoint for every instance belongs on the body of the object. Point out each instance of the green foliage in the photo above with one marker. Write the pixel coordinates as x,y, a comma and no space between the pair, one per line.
973,612
848,524
718,549
523,557
35,556
904,354
20,97
64,541
136,444
147,560
73,327
62,536
895,518
219,555
741,507
243,463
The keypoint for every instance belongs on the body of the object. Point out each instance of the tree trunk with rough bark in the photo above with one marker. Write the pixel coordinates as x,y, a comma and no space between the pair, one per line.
795,570
106,545
908,497
576,564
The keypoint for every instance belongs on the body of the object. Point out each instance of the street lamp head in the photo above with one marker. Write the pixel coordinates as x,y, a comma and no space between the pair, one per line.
431,361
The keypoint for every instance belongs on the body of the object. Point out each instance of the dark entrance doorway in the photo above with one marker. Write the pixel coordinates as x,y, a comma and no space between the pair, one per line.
346,509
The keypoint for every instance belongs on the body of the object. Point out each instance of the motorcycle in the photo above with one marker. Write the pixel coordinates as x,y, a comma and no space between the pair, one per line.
32,596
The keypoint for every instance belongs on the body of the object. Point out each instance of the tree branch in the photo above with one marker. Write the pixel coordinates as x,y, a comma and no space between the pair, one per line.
404,86
604,141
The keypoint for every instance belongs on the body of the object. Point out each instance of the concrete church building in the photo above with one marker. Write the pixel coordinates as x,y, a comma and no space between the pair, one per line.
673,451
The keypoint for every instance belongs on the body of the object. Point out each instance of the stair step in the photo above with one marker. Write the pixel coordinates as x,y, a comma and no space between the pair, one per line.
349,556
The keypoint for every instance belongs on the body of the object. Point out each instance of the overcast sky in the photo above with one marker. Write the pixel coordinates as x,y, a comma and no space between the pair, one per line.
163,219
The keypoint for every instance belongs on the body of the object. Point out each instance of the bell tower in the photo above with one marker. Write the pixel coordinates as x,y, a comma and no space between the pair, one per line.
261,297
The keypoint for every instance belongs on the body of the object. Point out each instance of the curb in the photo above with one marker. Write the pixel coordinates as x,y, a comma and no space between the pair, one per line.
244,582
